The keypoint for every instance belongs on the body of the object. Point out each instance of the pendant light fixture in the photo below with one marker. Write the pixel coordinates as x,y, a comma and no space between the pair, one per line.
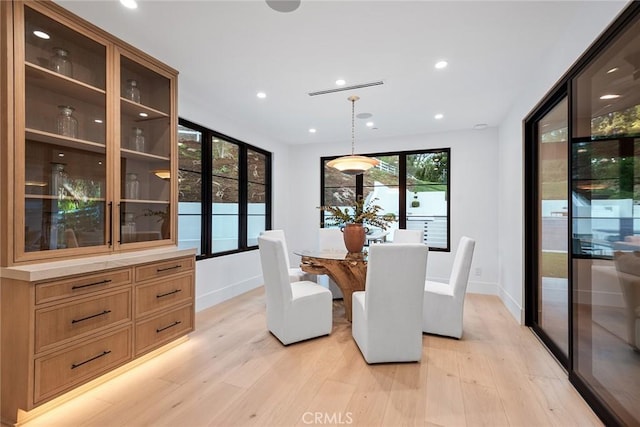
353,165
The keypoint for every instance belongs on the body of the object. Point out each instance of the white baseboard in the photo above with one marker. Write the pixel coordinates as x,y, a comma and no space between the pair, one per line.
486,288
512,305
219,295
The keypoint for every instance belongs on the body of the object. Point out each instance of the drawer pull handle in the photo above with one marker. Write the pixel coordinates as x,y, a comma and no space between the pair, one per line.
77,365
175,291
176,323
90,317
102,282
160,270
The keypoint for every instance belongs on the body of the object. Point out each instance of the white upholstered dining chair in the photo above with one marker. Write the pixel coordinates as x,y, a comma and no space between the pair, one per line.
402,235
387,315
444,302
295,273
296,311
628,271
332,240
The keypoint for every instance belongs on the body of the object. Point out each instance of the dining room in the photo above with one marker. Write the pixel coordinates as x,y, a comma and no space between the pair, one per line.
263,105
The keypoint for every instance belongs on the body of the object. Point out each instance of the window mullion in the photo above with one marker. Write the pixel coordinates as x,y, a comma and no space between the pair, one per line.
402,188
243,201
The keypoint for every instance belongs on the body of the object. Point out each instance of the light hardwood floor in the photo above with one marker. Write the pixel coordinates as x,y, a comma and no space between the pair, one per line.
233,372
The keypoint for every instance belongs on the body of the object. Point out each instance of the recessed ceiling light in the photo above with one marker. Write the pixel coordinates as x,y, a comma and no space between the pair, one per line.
97,120
480,126
41,34
441,64
438,116
610,96
369,124
143,114
60,154
312,130
261,95
129,4
340,82
284,6
613,70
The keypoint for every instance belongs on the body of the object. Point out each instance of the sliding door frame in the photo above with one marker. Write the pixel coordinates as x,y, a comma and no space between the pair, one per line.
564,87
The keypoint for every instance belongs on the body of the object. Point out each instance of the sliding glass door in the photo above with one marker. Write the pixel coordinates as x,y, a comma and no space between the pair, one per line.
605,151
582,247
552,290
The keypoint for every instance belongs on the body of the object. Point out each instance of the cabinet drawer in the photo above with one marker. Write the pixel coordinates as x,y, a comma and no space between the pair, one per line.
52,291
158,295
61,371
165,268
58,324
162,329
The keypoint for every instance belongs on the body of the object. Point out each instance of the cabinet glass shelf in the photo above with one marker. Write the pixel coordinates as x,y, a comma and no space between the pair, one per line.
65,141
41,77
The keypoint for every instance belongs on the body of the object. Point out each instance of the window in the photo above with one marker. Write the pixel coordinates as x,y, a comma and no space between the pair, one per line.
225,210
413,185
189,188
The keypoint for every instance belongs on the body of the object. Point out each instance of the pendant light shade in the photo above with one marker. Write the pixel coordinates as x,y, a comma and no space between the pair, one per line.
353,165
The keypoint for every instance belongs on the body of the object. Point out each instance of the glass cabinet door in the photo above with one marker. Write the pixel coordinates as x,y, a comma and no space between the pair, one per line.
145,153
64,152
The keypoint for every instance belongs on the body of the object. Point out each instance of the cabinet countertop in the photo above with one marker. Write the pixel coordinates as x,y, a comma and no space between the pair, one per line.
53,270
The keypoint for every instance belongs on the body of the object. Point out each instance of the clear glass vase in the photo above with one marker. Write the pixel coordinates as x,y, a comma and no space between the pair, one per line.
132,187
60,62
136,140
132,91
66,124
59,178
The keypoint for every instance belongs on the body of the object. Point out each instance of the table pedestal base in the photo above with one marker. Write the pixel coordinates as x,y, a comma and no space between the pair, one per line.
349,274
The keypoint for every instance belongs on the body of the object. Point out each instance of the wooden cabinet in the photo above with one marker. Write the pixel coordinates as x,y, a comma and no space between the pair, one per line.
90,275
66,323
93,148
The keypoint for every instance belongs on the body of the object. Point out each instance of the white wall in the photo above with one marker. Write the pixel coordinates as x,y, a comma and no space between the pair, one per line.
221,278
580,34
474,199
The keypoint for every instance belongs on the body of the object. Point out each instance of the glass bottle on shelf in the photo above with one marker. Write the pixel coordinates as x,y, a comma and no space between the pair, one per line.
60,62
132,92
136,140
66,124
132,187
129,227
59,178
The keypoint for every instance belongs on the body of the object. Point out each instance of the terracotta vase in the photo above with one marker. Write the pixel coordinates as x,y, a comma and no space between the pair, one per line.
354,235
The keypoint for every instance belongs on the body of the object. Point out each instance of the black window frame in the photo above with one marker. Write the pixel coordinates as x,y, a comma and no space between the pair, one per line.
206,198
402,185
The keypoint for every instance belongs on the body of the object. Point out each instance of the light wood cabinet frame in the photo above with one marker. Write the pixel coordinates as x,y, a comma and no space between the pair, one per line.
14,131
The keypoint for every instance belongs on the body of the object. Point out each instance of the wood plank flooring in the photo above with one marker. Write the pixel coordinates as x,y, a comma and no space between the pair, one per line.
232,372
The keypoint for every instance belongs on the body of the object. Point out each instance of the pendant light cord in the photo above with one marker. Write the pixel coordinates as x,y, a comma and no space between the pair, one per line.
353,99
353,127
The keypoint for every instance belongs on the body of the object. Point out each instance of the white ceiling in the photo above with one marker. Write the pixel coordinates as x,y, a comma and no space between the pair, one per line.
227,51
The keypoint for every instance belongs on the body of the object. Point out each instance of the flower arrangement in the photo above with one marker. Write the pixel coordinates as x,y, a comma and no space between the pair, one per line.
359,212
